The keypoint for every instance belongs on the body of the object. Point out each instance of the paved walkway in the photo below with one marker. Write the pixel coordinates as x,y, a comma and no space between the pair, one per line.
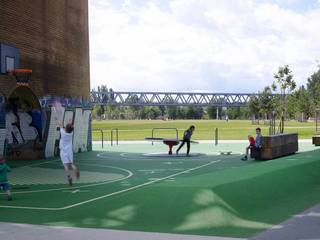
305,226
10,231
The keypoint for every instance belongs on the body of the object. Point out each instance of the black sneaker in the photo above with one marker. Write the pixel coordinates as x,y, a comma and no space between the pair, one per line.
245,158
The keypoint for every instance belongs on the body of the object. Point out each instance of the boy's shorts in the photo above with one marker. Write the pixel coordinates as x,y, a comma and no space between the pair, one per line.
5,186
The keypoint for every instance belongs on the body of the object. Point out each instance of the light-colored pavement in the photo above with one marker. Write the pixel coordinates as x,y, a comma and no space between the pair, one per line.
304,226
10,231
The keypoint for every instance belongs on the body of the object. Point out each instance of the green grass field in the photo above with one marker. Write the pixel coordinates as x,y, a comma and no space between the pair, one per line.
120,188
232,130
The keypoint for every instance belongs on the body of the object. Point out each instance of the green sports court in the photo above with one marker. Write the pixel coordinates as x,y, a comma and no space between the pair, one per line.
127,187
115,86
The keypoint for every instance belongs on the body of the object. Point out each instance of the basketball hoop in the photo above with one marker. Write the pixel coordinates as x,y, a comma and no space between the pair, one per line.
23,76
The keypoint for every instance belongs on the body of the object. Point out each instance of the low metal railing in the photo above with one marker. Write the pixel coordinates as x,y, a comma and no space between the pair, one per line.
116,130
102,135
153,129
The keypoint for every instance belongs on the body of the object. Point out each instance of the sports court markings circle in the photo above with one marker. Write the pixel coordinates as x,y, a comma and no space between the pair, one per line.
150,156
104,155
37,176
165,154
129,174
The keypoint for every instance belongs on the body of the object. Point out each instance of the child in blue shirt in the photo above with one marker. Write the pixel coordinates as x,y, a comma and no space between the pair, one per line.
4,184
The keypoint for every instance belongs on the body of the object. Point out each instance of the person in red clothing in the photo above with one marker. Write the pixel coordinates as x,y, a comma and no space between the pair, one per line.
252,143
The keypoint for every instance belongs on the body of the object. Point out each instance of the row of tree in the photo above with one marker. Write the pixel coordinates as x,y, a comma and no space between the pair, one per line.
281,99
292,102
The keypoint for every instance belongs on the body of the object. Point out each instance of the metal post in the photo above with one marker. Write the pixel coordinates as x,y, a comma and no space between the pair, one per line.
102,136
270,129
217,114
274,122
216,136
117,136
152,135
111,137
317,116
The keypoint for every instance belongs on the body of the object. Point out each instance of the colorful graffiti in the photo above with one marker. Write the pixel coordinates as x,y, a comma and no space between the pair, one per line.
52,133
81,129
3,130
79,117
28,130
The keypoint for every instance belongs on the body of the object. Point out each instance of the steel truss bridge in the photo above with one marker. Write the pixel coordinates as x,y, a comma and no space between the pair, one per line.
171,99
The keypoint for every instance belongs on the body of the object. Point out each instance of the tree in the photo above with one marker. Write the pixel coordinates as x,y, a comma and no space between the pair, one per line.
194,113
172,112
266,103
313,89
303,103
237,113
292,108
103,93
284,79
254,107
212,112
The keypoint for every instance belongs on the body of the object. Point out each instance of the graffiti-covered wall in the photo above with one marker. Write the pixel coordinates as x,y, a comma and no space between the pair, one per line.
79,117
29,126
49,39
3,130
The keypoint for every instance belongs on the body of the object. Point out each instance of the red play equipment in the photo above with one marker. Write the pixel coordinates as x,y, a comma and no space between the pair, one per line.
171,143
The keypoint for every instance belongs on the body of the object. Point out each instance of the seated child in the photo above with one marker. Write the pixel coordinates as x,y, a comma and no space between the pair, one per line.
4,184
251,145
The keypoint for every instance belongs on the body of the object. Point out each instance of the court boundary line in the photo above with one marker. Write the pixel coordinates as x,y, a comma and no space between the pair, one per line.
123,155
66,188
113,193
130,174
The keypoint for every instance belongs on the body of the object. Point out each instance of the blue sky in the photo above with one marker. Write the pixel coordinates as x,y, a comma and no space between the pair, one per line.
201,45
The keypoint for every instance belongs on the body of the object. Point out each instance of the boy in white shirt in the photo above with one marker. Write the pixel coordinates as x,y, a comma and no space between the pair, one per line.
66,151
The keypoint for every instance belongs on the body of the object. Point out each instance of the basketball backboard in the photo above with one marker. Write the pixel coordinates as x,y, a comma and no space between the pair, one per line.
9,58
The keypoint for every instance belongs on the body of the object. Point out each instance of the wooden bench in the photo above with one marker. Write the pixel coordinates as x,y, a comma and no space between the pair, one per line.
316,140
276,146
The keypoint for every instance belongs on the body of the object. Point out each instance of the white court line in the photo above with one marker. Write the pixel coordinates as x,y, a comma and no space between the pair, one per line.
130,174
38,164
125,155
114,193
100,155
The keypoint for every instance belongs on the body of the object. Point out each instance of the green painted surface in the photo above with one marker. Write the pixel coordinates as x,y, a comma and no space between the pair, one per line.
223,196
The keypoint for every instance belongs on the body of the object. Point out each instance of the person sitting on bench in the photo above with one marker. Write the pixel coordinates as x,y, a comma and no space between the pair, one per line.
186,139
255,145
251,145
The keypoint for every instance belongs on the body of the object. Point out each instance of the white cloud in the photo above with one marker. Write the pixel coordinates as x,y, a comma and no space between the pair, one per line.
199,44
